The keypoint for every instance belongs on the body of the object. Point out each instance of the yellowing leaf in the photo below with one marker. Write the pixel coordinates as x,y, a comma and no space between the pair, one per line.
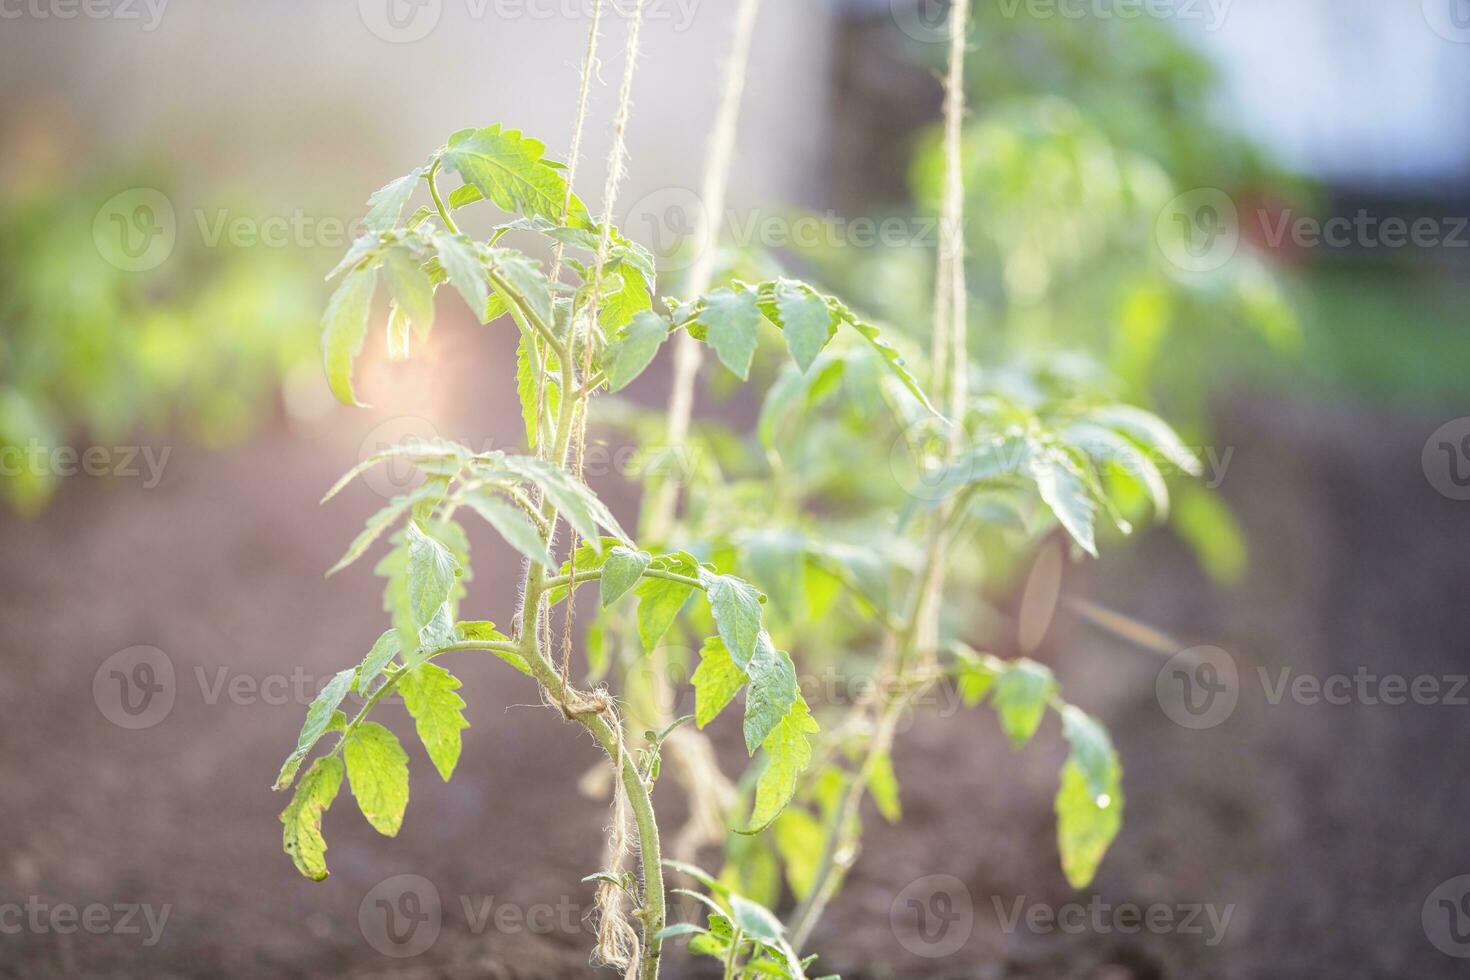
716,681
343,328
377,768
788,752
438,713
302,836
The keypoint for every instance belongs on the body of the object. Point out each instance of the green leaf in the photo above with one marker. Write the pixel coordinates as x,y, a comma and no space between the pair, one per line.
344,327
731,321
736,607
385,648
524,276
379,523
511,523
621,571
460,258
528,371
660,600
773,690
1149,431
788,753
618,308
755,920
716,681
977,678
400,336
318,720
883,785
377,768
799,839
387,201
419,451
805,319
574,499
634,349
885,350
432,570
302,836
1087,820
1065,492
510,171
411,287
1020,698
438,713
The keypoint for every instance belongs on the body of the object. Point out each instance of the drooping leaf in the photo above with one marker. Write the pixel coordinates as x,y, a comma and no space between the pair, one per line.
438,713
886,350
527,392
387,201
660,600
883,785
716,681
379,523
344,327
736,607
1064,491
731,321
411,288
432,571
460,258
799,839
525,277
385,648
302,836
1149,431
621,571
400,334
1020,698
420,451
789,752
634,349
805,319
1087,820
754,920
573,498
318,720
377,769
773,690
511,523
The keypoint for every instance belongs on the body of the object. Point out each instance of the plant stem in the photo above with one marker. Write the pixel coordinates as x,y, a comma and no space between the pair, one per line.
449,224
733,955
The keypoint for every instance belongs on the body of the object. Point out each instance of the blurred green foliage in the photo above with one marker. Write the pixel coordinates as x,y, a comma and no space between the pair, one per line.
93,354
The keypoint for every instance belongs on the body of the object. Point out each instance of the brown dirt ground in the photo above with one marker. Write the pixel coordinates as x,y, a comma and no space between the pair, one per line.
1326,827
